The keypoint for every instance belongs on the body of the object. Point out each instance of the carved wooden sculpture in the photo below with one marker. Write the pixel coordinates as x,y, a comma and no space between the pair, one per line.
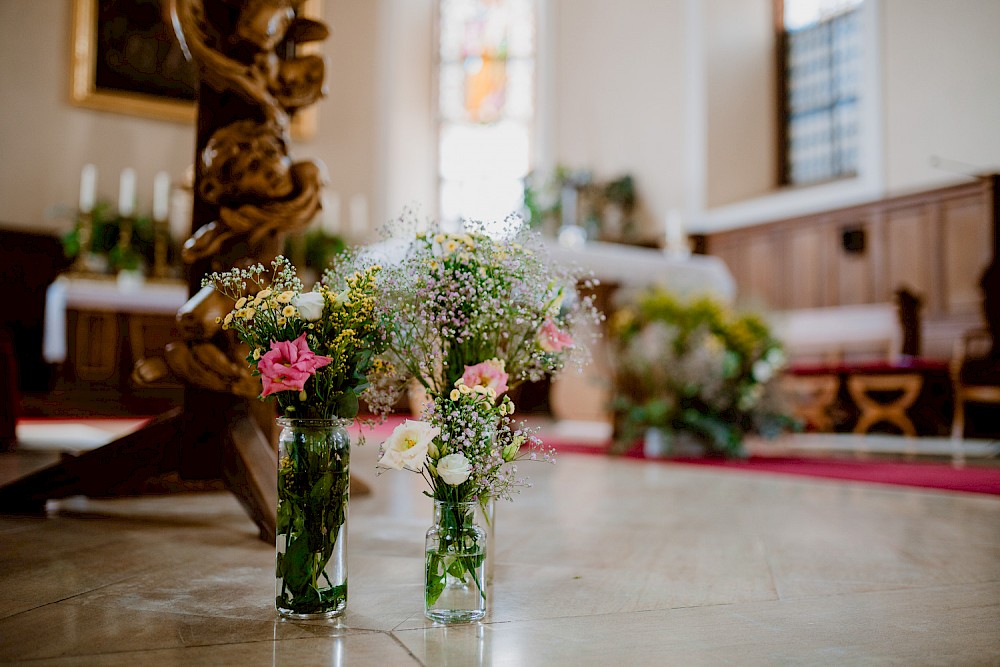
248,195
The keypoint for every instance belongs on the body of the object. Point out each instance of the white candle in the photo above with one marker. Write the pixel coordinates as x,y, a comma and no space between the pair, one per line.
180,214
568,203
88,188
675,236
126,193
331,213
161,196
359,215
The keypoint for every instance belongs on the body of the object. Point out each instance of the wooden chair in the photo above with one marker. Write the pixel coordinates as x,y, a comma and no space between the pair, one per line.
965,391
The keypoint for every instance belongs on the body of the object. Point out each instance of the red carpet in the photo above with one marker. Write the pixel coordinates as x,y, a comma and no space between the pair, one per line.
928,475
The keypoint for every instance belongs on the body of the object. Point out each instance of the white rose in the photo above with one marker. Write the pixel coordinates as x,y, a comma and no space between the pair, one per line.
762,371
407,446
454,468
310,305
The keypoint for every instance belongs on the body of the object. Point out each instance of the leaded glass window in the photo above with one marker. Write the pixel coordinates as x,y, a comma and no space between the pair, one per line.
822,89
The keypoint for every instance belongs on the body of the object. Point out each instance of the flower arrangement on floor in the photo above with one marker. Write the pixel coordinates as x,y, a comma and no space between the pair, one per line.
691,367
474,315
313,351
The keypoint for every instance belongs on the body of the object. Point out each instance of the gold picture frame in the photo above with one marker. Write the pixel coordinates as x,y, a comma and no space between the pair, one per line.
163,91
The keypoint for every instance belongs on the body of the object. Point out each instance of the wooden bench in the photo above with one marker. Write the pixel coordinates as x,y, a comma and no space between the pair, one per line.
822,344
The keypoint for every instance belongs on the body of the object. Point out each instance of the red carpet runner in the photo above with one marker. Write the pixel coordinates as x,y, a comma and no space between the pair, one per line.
928,475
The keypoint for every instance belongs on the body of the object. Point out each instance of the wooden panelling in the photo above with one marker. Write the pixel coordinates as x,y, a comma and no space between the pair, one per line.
936,243
968,247
806,276
908,252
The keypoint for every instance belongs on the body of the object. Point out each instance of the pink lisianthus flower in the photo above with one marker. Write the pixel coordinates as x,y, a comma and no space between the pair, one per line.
288,366
488,374
550,339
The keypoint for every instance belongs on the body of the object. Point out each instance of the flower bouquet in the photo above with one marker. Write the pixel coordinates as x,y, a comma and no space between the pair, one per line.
692,368
475,314
313,351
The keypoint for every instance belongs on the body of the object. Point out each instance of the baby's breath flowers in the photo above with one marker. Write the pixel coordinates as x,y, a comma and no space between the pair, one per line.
458,299
312,349
474,313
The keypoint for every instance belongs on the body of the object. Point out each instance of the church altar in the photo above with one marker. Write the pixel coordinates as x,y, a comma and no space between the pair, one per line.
103,298
635,266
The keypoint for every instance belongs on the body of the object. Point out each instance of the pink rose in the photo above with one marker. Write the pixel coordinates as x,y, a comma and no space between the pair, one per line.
551,339
488,374
288,366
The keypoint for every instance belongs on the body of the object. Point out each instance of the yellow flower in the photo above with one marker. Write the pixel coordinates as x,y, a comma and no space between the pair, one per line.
256,353
242,302
249,313
264,294
288,311
439,238
451,246
455,394
282,321
285,297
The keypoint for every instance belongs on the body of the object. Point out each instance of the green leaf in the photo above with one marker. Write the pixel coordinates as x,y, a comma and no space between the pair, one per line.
435,579
297,563
347,404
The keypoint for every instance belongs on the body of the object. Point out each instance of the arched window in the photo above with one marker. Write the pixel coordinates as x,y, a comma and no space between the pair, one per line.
486,106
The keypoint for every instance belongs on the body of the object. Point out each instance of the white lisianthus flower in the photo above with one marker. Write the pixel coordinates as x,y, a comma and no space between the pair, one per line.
310,305
762,371
454,468
407,446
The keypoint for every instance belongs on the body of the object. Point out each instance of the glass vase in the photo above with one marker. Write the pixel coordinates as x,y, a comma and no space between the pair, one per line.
311,542
454,572
486,518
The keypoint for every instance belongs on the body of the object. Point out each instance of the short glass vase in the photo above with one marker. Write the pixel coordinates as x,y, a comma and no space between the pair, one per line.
311,541
454,573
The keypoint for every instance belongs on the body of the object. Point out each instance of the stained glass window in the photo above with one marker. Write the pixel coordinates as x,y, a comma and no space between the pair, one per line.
486,81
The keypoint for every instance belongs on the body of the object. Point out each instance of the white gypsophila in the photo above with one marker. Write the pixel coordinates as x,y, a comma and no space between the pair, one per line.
407,446
310,305
454,468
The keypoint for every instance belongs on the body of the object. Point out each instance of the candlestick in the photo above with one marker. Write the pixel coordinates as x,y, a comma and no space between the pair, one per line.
568,201
676,239
84,230
88,188
126,193
359,216
331,213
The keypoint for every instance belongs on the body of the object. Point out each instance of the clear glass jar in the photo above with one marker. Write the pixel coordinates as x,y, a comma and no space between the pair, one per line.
311,544
455,565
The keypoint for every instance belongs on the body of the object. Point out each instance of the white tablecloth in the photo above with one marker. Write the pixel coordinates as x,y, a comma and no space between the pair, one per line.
634,266
106,295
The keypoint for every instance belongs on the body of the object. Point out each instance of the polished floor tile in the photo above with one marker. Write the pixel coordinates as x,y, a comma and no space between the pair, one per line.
603,561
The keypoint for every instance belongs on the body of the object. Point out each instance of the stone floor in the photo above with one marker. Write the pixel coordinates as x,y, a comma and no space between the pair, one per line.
602,562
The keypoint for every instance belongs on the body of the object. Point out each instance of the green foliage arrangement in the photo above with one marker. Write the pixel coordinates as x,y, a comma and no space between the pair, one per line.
695,367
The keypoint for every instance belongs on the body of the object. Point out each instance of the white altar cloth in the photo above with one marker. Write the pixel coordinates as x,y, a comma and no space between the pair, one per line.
105,295
636,267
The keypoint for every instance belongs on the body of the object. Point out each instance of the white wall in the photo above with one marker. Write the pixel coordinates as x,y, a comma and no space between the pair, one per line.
740,86
44,141
620,87
942,89
619,96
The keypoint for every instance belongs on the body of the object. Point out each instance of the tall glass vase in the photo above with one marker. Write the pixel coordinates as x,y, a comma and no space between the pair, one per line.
455,572
486,518
311,544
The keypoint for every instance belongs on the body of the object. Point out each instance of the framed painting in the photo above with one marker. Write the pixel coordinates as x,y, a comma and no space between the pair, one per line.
127,59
